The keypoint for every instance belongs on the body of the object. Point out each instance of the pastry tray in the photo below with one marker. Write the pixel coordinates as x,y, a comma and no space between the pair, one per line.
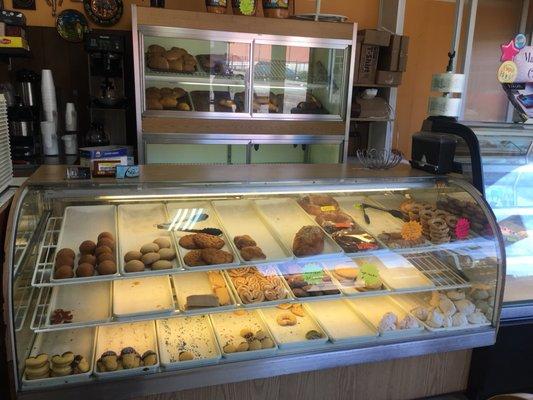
227,328
141,296
79,341
373,310
191,283
86,223
292,337
265,302
136,227
286,218
195,333
90,304
139,335
240,217
347,289
410,301
341,323
179,211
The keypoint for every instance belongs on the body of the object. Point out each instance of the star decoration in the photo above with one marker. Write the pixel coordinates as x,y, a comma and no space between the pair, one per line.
509,51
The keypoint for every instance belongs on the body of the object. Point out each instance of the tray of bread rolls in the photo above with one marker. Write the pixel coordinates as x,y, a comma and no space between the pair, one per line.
79,305
449,310
60,357
142,296
208,246
187,342
296,230
257,286
254,239
341,323
125,350
293,327
242,335
86,247
144,248
199,292
167,98
388,317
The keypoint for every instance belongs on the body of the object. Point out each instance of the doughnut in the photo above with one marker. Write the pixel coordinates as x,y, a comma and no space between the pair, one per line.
286,319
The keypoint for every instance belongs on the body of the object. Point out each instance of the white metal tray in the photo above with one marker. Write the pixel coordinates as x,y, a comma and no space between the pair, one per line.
191,333
86,223
240,217
142,296
292,337
227,330
180,212
139,335
194,283
136,227
341,323
399,274
286,218
90,304
78,341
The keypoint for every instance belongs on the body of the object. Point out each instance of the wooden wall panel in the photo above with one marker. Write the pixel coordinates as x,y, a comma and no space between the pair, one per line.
408,378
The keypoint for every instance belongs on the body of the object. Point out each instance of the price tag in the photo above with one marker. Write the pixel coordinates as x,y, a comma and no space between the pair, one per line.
369,274
327,208
313,273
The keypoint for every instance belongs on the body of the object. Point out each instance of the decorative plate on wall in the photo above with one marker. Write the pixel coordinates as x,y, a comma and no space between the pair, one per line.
72,25
104,12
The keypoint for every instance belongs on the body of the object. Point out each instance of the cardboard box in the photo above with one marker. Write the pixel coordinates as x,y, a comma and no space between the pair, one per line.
389,56
404,49
103,160
13,42
391,78
368,63
374,37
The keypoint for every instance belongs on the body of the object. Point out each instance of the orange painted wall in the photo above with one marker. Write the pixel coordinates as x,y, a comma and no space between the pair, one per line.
430,24
364,12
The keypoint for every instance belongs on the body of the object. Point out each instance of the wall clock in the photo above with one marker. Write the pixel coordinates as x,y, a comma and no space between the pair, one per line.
104,12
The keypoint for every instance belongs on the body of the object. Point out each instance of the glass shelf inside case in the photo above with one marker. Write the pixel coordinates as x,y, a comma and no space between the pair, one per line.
195,75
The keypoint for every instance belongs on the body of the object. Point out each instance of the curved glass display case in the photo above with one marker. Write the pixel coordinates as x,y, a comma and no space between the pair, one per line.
194,275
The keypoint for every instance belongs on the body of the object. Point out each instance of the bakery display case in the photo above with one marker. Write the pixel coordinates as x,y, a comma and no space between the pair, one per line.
223,78
233,273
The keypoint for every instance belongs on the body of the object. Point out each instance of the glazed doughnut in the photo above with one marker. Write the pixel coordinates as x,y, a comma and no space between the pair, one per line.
439,231
286,319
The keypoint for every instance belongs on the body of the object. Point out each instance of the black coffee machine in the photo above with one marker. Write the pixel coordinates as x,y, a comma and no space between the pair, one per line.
24,119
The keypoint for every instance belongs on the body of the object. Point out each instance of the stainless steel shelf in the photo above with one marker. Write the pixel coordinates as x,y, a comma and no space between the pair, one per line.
442,275
23,293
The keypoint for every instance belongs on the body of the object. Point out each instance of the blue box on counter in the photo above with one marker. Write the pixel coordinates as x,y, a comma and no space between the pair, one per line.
96,153
103,159
127,171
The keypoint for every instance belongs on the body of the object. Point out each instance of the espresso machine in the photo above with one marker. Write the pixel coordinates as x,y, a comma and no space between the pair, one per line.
24,119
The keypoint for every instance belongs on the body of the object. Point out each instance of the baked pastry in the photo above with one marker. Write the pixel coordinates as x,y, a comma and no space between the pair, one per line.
316,204
87,247
254,286
161,264
107,268
201,301
459,319
286,319
194,258
167,254
158,62
465,306
411,231
175,65
85,270
156,49
87,258
182,106
206,241
149,248
134,266
252,253
455,295
175,53
421,313
333,221
187,242
37,367
168,102
309,240
387,322
354,240
132,255
477,318
153,103
244,241
446,306
408,322
64,272
214,256
435,319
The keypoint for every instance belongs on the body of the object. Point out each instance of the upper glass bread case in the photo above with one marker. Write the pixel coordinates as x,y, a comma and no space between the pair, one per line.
212,75
190,266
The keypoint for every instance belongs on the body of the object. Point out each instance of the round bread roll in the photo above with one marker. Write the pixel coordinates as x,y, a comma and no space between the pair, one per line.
183,107
102,249
150,258
105,257
87,247
161,264
64,272
63,259
162,242
158,62
189,68
88,259
132,255
106,242
178,92
66,252
153,104
156,49
176,65
134,266
149,248
107,268
166,91
167,254
85,270
168,102
105,235
175,53
153,92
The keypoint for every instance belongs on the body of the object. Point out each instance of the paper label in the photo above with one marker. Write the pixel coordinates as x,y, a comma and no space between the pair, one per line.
327,208
313,273
369,274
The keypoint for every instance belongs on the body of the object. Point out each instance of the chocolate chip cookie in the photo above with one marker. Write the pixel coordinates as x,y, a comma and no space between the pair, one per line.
252,253
244,241
206,241
214,256
187,242
194,258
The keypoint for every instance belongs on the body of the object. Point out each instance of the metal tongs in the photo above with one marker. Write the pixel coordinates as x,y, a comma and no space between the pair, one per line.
394,213
185,219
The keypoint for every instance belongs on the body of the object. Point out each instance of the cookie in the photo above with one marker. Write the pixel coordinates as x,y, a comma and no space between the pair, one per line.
252,253
244,241
214,256
187,242
194,258
205,241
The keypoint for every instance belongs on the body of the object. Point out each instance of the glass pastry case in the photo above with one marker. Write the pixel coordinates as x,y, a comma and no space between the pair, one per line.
193,275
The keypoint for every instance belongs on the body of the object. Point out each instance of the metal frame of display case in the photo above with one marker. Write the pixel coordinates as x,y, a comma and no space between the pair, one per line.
223,127
171,181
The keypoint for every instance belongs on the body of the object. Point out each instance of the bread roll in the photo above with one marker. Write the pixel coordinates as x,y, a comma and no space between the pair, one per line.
178,92
176,65
153,103
153,92
175,54
184,107
156,49
166,92
158,62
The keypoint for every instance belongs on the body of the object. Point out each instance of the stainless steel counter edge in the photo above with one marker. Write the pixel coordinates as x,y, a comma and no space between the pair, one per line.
263,368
